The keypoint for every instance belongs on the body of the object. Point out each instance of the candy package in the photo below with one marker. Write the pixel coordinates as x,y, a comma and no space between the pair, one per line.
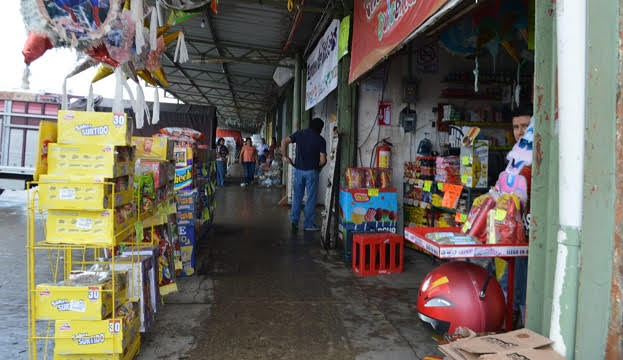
354,178
476,224
177,131
369,179
384,178
504,223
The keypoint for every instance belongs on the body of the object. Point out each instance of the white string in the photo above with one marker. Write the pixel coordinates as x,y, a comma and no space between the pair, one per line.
155,118
153,30
117,106
181,52
137,16
90,99
65,101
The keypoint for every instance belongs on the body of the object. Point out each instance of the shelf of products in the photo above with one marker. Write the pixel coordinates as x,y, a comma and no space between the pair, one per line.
111,236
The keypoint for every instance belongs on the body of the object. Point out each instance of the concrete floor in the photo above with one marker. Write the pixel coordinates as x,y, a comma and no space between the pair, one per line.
261,293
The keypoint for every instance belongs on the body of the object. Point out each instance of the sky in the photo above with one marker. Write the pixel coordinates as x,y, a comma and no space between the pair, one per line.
48,72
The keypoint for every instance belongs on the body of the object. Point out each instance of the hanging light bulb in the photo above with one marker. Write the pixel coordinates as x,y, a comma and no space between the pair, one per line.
203,23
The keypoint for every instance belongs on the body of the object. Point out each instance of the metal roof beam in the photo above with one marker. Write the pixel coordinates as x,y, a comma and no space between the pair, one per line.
237,75
283,5
176,65
214,36
247,90
235,45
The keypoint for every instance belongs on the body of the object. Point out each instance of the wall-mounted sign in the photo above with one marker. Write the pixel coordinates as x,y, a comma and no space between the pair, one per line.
322,67
380,26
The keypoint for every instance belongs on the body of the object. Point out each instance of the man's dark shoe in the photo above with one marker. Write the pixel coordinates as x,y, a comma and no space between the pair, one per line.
295,227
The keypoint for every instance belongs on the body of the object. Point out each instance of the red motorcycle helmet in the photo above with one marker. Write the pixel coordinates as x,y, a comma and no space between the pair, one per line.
461,294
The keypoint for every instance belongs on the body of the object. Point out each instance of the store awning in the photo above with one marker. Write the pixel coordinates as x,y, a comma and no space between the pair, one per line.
377,32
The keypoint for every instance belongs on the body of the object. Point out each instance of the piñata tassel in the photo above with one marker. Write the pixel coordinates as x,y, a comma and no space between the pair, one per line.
65,101
139,107
155,117
117,106
181,52
90,106
153,30
137,15
26,77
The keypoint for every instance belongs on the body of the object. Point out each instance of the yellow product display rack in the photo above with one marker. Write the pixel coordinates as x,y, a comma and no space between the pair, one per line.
103,316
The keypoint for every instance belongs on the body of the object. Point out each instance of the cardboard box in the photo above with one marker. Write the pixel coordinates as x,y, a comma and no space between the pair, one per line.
153,148
361,209
105,227
89,302
83,192
163,171
475,164
153,251
498,346
103,161
183,155
95,336
47,135
183,178
141,286
88,127
128,354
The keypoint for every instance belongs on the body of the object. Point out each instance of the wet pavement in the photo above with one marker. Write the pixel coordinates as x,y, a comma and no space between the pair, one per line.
261,293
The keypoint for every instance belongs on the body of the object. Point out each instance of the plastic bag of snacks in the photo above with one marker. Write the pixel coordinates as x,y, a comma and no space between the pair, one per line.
354,177
476,224
369,179
177,131
504,223
384,178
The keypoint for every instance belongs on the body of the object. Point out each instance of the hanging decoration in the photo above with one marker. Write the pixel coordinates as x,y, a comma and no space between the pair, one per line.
115,34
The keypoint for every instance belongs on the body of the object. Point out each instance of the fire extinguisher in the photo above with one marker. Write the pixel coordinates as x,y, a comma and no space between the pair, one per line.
384,154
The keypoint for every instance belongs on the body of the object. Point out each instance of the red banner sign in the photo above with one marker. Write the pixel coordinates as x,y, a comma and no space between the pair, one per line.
377,31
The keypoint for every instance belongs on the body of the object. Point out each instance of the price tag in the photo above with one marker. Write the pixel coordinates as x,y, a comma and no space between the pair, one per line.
500,214
373,192
138,228
466,227
427,185
465,160
465,179
440,186
84,223
114,326
67,194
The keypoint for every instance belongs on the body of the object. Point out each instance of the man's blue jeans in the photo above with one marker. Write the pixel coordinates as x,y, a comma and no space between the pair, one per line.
249,171
220,173
304,181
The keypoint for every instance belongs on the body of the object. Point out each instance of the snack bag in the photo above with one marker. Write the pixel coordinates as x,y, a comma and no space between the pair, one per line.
505,223
369,180
177,131
354,178
385,178
476,224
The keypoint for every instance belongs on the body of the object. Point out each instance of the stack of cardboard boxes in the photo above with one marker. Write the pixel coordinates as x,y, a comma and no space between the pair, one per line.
88,195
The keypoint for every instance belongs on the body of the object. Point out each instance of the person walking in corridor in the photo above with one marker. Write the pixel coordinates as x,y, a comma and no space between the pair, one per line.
248,158
311,156
221,162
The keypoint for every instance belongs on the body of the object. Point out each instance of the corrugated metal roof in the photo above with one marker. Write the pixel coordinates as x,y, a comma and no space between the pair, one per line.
234,55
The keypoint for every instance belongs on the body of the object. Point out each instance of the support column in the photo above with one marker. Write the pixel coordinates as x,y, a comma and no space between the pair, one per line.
305,114
544,193
346,118
296,109
603,128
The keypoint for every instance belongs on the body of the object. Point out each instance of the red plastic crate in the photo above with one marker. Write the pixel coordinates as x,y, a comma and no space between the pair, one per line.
378,253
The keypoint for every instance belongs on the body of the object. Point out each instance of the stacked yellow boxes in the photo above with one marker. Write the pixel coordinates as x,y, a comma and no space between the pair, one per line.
89,197
88,189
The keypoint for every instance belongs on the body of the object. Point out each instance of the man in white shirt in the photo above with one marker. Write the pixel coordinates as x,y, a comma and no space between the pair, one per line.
261,147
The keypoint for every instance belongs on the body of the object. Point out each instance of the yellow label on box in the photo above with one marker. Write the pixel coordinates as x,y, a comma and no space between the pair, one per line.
95,336
94,302
427,185
90,160
153,148
89,127
82,193
373,192
106,227
128,354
